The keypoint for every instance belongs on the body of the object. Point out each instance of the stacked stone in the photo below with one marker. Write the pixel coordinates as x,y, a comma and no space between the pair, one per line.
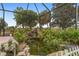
24,50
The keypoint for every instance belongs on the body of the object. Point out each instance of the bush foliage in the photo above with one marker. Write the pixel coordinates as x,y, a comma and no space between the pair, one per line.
21,34
47,40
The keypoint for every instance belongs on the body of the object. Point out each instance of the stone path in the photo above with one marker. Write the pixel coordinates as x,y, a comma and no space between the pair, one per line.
4,39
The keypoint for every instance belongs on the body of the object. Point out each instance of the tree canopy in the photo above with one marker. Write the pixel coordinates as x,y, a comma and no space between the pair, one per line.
3,24
65,15
26,18
45,18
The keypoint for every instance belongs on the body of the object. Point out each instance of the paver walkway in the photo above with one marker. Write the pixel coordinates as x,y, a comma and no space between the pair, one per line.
5,39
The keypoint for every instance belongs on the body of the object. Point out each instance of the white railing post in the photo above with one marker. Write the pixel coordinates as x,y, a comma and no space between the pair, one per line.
72,51
65,52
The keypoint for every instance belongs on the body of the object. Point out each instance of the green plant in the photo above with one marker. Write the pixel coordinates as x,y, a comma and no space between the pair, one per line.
21,35
47,40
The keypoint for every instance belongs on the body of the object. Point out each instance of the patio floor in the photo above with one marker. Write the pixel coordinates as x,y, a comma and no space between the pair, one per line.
5,39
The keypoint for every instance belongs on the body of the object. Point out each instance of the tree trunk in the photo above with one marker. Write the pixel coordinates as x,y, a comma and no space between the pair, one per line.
40,26
22,26
3,32
30,27
0,32
63,28
47,25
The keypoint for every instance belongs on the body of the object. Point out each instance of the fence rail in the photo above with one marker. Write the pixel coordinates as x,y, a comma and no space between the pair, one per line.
74,51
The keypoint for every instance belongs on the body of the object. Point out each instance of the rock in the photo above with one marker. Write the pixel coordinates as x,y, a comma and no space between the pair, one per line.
21,53
2,53
24,50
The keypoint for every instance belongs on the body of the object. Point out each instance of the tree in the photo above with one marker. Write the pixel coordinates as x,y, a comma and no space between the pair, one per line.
18,16
45,18
65,15
3,24
25,17
11,29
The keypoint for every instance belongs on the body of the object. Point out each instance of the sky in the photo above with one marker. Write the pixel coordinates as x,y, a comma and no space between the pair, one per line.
9,17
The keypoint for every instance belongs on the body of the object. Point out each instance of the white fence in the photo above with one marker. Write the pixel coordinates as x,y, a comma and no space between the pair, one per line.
72,51
67,52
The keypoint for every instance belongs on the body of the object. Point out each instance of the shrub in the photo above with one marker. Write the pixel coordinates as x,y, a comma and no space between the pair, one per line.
48,43
21,34
47,40
51,38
